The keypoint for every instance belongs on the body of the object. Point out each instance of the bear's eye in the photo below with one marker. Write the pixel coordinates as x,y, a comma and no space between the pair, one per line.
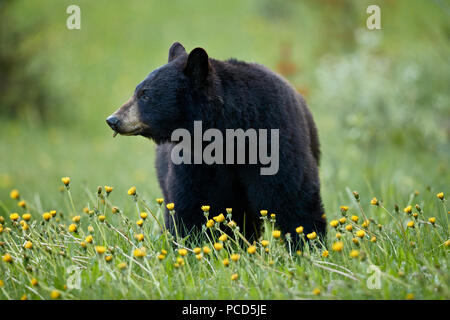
143,94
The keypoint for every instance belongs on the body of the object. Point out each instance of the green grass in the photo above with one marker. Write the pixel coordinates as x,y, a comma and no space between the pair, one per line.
380,101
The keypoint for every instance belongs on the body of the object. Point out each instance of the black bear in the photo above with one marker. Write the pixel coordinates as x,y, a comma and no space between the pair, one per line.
193,89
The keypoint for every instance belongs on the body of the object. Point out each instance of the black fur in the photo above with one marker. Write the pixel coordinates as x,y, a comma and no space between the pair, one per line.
233,94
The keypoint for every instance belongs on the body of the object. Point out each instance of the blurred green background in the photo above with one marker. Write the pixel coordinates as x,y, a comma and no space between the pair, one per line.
380,98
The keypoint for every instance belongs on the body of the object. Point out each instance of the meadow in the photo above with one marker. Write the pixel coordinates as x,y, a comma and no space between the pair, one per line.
382,107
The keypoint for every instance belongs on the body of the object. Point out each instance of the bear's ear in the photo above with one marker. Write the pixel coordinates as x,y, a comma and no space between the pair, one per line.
176,50
197,65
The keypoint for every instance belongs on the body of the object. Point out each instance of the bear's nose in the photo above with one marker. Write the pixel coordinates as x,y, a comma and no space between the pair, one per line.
112,121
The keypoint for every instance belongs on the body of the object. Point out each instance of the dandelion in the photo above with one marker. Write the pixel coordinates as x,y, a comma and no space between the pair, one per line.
159,200
28,245
276,234
108,189
219,218
47,216
218,246
164,252
132,191
440,195
311,235
139,237
140,222
337,246
325,253
14,194
251,249
354,219
355,241
205,208
170,206
365,224
344,209
263,213
354,254
360,233
299,230
410,224
349,227
100,249
161,257
122,265
223,238
89,239
114,210
66,181
447,243
342,220
226,262
24,297
210,223
83,244
139,252
206,250
34,282
264,243
199,256
180,261
338,235
182,252
235,257
197,250
299,252
14,216
272,216
316,291
415,215
408,209
91,229
229,210
7,258
76,219
334,223
432,220
234,276
144,215
374,202
373,239
108,258
22,204
232,224
2,284
101,218
410,296
24,226
53,213
73,227
55,294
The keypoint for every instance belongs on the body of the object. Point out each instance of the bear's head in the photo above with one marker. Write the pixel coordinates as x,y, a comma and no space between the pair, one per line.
169,98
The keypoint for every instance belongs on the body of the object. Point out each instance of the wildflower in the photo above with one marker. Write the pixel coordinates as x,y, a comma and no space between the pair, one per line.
122,265
140,222
316,291
344,209
91,229
210,223
365,224
374,202
100,249
2,283
66,181
272,216
276,234
234,276
139,253
432,220
34,282
338,235
170,206
311,235
251,249
180,261
161,257
408,209
447,243
83,244
355,241
263,213
55,294
418,208
14,194
325,253
206,250
24,297
440,195
373,239
415,215
28,245
114,210
73,227
132,191
89,239
219,218
410,296
235,257
101,218
299,230
14,216
299,252
197,250
182,252
7,258
356,195
334,223
354,219
229,210
108,258
342,220
264,243
24,225
226,262
22,204
337,246
223,238
108,189
410,224
266,250
164,252
205,208
199,256
144,215
354,254
159,200
360,233
47,216
349,227
232,224
218,246
76,219
139,237
90,212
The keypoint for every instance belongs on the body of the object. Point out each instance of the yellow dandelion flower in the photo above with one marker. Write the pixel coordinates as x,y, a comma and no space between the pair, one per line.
2,284
197,250
342,220
235,257
65,180
22,204
83,244
440,195
144,215
410,224
355,241
447,243
28,245
272,216
47,216
343,209
229,210
316,291
163,251
299,229
232,224
14,194
55,294
108,189
91,229
100,249
354,219
161,257
108,258
325,253
206,250
210,223
76,219
7,258
334,223
34,282
338,235
251,249
14,216
140,222
410,296
182,252
132,191
311,235
218,246
180,261
276,234
349,227
199,256
170,206
24,297
122,265
226,262
139,253
24,226
101,218
219,218
263,213
299,252
139,237
205,208
89,239
373,239
114,210
223,237
360,233
365,224
432,220
374,201
234,276
354,254
264,243
337,246
159,200
73,227
408,209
